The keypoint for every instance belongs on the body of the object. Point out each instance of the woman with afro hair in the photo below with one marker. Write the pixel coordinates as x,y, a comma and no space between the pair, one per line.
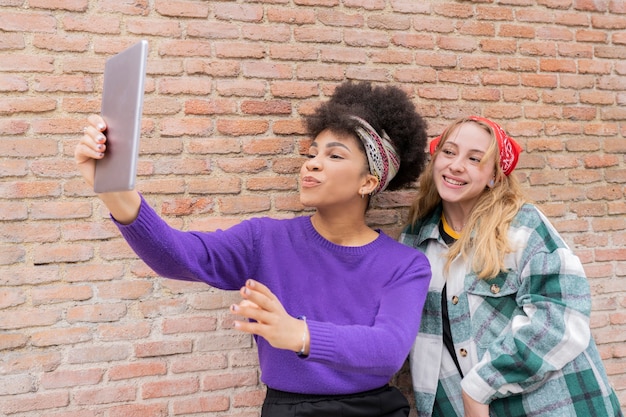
333,304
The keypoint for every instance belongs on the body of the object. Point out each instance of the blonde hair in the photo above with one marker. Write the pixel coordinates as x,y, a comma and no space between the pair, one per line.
485,233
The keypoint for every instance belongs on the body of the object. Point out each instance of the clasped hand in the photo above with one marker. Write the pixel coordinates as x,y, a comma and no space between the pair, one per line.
270,320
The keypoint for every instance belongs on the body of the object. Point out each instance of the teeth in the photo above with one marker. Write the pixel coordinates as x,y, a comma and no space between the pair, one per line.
453,182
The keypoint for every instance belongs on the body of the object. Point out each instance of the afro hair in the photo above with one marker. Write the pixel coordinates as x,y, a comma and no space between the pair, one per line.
386,108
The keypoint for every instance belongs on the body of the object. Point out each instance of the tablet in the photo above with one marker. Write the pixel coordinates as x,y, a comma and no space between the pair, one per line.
122,102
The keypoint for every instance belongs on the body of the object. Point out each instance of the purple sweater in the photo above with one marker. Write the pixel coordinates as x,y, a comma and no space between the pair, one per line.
363,304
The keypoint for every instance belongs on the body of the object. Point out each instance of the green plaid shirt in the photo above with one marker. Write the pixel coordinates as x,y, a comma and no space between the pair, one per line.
522,339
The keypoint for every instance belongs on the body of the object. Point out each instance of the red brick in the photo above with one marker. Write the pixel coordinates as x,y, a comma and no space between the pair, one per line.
214,300
163,348
266,33
106,395
35,402
197,324
9,341
146,26
232,379
170,387
199,362
243,204
270,146
241,127
249,398
242,165
204,404
16,384
139,410
96,313
290,15
71,378
136,370
156,308
25,22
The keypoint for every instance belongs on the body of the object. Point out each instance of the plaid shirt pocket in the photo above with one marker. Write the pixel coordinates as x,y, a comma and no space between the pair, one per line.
493,303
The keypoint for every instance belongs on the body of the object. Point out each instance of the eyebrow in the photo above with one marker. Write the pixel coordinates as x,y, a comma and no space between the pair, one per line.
332,145
457,146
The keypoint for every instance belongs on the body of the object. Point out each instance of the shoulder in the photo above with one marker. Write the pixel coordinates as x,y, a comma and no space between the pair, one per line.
400,250
529,215
423,229
532,228
534,221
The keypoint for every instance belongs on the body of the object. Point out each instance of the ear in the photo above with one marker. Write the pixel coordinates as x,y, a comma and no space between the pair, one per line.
369,184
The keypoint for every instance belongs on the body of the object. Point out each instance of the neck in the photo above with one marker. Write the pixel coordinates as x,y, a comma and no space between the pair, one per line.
343,230
456,217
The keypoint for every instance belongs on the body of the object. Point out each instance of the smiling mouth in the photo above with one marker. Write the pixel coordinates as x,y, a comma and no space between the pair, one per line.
453,182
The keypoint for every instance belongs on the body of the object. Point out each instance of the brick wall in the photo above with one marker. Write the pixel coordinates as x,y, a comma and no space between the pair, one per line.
87,330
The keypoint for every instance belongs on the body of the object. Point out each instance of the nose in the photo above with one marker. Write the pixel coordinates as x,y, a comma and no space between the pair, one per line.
457,164
312,164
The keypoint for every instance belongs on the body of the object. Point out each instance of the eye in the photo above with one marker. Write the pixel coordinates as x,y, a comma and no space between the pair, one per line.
336,156
447,151
475,159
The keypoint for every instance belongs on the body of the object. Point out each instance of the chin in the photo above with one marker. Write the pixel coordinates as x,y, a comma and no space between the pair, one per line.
306,202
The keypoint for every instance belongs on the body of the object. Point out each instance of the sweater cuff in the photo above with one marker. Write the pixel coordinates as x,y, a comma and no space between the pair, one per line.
477,388
322,341
146,216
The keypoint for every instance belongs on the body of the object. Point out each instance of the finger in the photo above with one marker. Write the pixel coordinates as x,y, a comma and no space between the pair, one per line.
249,327
257,286
97,122
250,311
248,303
95,135
261,300
83,153
90,147
253,289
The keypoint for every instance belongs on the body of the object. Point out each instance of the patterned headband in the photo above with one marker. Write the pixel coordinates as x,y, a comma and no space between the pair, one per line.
509,149
382,157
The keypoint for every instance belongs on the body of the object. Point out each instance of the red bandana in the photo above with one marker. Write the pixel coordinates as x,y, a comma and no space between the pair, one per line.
509,149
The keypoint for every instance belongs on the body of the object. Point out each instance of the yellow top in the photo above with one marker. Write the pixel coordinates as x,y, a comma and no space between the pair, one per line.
448,229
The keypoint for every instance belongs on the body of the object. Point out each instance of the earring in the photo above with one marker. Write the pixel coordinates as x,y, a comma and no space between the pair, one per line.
492,183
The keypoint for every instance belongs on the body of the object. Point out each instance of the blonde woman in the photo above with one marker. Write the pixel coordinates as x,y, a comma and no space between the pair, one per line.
505,327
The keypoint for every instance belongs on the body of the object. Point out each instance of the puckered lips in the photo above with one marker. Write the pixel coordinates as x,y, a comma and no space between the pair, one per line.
309,181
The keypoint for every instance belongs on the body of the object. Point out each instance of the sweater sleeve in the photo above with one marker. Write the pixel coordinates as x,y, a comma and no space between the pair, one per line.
554,329
382,348
222,259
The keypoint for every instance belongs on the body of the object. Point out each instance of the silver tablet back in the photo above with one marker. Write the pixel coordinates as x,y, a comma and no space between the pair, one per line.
122,102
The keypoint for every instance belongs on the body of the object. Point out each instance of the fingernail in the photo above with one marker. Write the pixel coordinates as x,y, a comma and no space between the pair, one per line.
234,307
246,291
99,147
250,283
100,138
100,126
